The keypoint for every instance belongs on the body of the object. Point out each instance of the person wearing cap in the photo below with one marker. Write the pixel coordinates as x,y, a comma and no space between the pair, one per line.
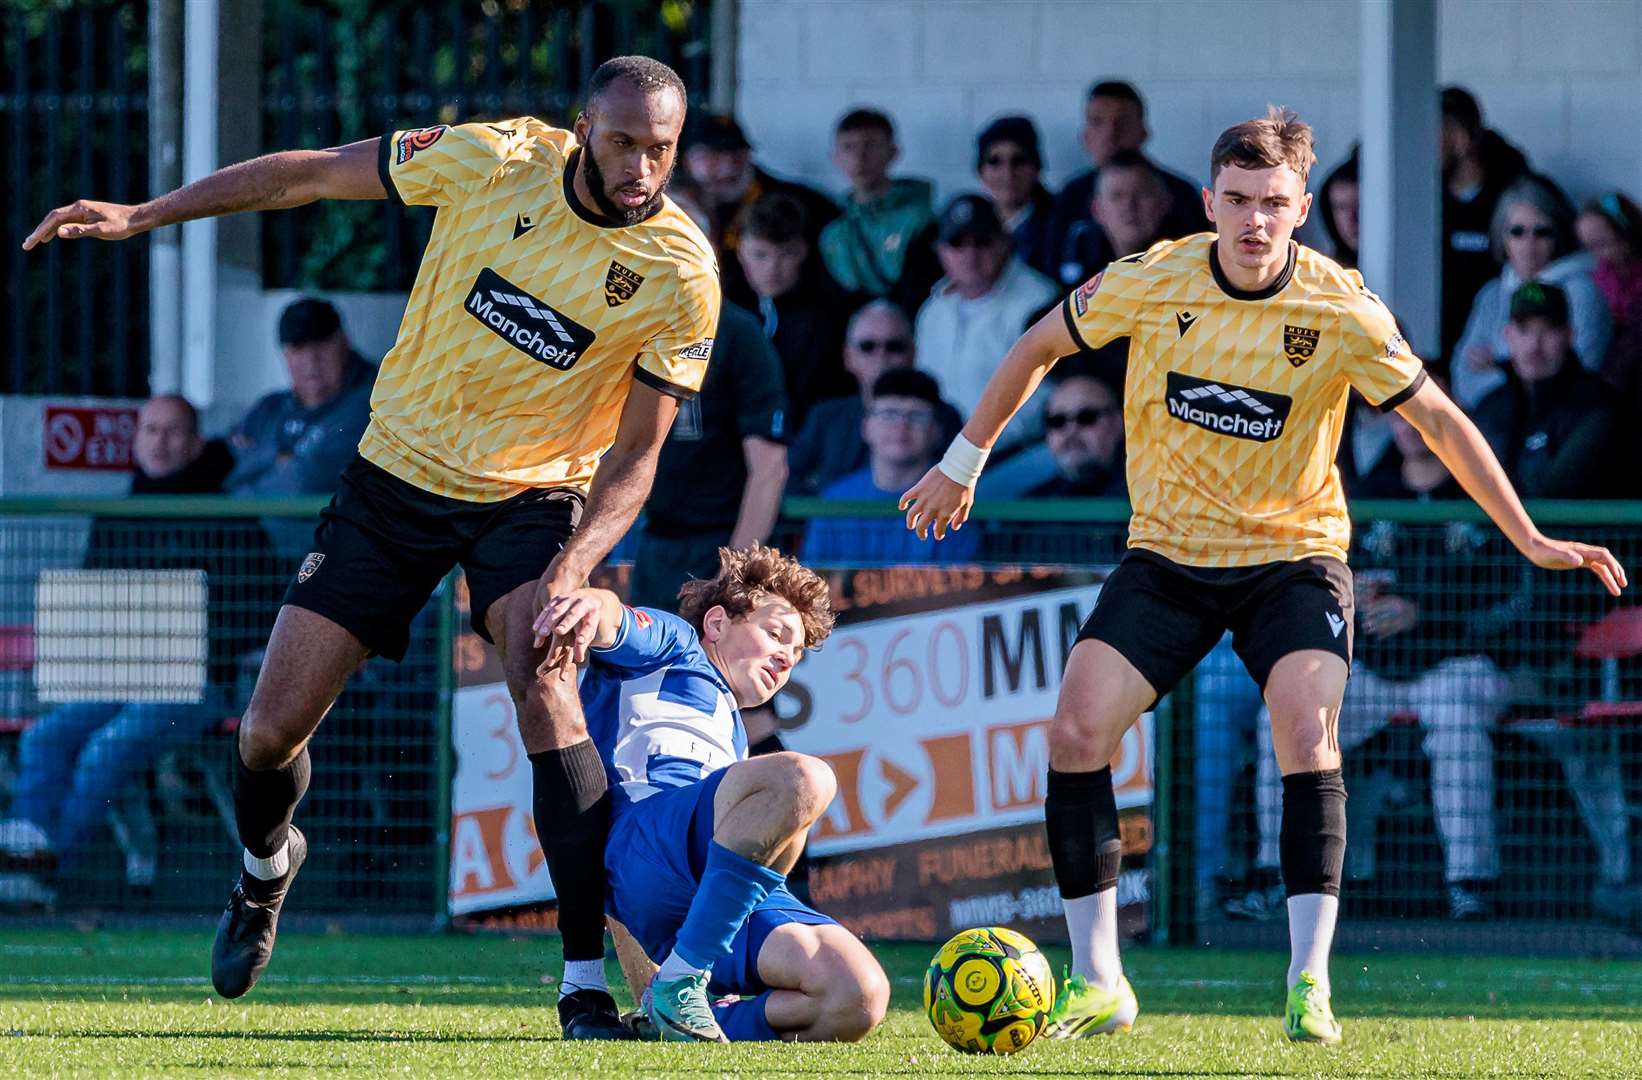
975,313
1114,120
1009,163
1551,424
297,441
719,158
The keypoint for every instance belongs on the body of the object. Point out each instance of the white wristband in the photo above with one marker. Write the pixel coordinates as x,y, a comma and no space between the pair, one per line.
963,462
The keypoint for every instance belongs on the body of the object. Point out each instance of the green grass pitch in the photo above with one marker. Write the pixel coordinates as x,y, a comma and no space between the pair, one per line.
138,1003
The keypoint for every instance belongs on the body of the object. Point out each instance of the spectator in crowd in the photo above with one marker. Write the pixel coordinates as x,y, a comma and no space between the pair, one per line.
1084,430
1610,229
1009,163
1339,198
297,441
718,157
1552,423
1477,166
1130,205
79,760
1534,240
803,312
1114,120
903,435
721,471
883,243
878,339
985,301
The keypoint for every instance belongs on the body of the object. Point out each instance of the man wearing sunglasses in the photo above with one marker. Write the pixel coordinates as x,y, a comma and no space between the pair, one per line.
878,339
1084,429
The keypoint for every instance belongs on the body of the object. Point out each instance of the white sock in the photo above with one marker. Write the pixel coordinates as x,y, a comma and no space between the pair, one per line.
1311,935
676,967
274,866
583,975
1092,923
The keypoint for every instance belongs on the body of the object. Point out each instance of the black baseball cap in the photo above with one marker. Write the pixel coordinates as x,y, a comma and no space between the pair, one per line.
308,320
972,216
1537,300
1019,130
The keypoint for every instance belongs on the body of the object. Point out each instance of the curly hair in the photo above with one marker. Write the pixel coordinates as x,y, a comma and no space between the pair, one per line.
747,577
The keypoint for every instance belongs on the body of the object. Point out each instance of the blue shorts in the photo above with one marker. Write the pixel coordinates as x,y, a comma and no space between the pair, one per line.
655,857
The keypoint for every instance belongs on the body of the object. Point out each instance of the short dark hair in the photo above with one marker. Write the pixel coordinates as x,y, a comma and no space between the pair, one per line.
908,383
1459,106
1019,130
1130,159
777,217
642,71
1121,91
1278,138
865,119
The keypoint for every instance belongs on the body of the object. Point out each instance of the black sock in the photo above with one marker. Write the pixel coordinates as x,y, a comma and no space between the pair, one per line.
264,802
1313,839
572,805
1084,843
769,744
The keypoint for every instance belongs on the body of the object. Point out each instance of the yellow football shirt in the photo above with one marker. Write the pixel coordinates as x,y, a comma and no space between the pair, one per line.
530,317
1234,402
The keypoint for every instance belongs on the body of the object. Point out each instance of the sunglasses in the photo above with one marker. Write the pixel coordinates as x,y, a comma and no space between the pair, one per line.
1012,161
889,346
1538,232
1082,418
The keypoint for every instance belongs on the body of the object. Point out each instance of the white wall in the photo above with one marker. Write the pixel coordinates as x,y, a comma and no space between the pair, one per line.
1563,80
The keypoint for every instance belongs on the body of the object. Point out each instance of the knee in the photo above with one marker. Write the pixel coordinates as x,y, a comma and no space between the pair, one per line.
806,784
1080,741
856,1003
263,745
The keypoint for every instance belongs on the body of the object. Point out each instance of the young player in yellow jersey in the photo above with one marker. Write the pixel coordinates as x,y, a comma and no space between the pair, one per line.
1243,348
562,309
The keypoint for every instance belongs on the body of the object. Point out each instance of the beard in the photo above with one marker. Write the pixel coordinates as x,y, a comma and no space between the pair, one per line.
608,206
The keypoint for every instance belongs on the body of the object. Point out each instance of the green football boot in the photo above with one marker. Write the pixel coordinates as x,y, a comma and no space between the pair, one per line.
680,1011
1083,1009
1308,1017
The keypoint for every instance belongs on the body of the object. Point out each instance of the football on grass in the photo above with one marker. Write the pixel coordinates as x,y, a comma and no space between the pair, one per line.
989,991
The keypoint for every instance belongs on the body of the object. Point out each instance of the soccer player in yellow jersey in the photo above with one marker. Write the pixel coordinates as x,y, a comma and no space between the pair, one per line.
562,309
1243,348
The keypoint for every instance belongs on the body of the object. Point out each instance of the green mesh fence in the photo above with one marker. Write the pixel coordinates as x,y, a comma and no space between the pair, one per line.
1492,730
130,637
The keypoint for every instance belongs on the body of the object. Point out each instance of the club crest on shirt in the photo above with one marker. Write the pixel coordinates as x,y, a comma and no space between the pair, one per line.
310,566
620,284
1300,343
417,139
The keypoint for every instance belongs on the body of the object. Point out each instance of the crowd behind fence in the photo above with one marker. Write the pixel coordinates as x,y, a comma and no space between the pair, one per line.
1492,729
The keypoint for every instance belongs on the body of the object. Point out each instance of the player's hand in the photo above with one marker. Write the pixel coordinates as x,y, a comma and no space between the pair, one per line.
556,581
83,219
1568,555
937,502
572,621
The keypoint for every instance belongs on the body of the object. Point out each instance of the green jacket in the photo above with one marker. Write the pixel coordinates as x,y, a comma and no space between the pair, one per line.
866,247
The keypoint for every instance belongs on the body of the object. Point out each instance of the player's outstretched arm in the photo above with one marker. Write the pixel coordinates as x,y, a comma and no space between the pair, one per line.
271,182
941,500
1455,439
619,489
580,620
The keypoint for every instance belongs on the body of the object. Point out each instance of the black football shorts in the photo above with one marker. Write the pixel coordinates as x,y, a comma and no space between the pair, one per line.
1164,617
383,545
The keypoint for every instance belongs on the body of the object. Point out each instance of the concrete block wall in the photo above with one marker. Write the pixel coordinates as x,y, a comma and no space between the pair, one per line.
1561,78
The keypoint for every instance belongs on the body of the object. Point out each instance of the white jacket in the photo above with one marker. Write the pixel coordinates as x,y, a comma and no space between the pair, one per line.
961,343
1588,318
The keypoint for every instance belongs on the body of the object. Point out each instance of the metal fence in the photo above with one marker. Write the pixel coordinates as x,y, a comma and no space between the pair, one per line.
130,636
1492,729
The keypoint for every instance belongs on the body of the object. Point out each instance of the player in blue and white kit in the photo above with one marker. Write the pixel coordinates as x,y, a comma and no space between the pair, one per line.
701,837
